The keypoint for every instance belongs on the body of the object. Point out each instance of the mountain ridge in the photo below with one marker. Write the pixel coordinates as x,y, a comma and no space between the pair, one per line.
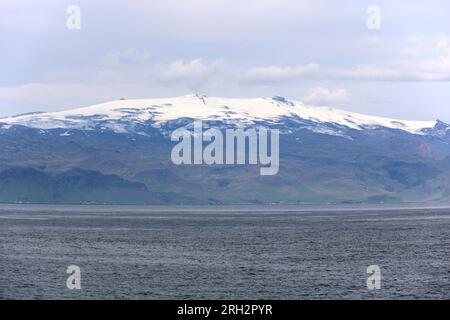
122,115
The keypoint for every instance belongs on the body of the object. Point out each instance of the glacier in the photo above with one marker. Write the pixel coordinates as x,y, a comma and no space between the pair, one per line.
122,116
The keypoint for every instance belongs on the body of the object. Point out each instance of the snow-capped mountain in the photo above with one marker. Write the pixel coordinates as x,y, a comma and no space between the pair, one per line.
120,152
123,116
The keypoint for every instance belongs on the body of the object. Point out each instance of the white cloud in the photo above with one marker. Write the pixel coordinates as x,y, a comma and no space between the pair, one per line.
325,96
130,56
284,73
192,71
417,62
130,73
136,67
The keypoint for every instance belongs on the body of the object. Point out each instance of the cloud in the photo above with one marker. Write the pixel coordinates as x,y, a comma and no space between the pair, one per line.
137,73
285,73
426,70
130,73
386,73
195,71
325,96
417,62
130,56
137,67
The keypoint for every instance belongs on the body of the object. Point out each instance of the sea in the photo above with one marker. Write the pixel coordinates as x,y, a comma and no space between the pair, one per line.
224,252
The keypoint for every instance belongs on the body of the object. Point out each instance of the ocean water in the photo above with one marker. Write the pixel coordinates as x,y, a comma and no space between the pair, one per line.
234,252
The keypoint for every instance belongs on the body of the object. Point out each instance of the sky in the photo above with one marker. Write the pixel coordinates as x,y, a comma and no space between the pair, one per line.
387,58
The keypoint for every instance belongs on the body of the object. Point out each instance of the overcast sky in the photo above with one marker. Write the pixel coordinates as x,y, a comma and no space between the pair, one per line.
319,52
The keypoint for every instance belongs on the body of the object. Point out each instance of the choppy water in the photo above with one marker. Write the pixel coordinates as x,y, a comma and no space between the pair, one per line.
223,252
